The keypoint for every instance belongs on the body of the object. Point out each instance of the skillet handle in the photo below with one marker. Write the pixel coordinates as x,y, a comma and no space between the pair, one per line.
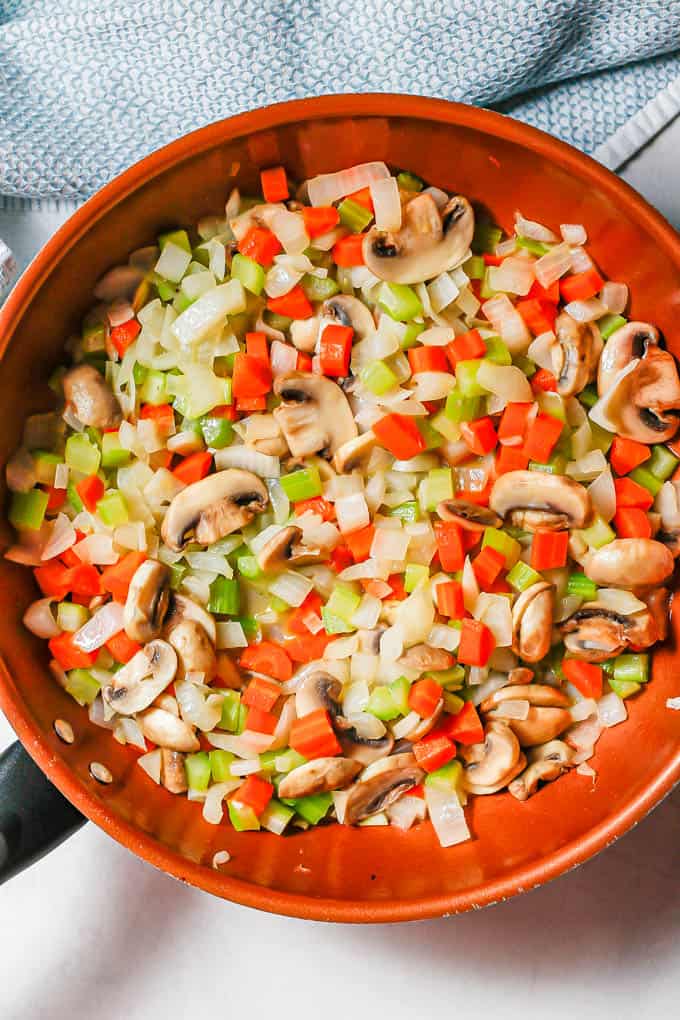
34,816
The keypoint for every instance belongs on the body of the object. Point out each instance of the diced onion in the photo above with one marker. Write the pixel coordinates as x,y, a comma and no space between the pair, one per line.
96,549
128,731
415,615
102,625
614,297
619,600
586,311
603,494
505,318
611,710
230,634
513,709
291,587
588,467
289,228
495,612
386,204
531,229
554,264
442,292
433,385
402,728
436,336
406,811
325,189
213,810
197,706
470,586
447,816
506,381
514,275
573,233
583,709
62,537
151,764
243,457
443,636
581,261
611,398
40,620
391,643
673,703
283,358
389,544
667,504
352,513
368,613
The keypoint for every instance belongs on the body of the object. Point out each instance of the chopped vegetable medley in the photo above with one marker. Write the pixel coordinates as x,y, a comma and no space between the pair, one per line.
354,506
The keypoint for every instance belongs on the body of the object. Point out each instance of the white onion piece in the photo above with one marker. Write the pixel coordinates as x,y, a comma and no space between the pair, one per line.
128,731
505,318
415,615
587,468
40,620
245,767
513,709
260,464
581,440
406,811
367,726
582,769
484,690
447,816
443,636
352,513
291,587
213,810
368,613
619,600
477,675
673,703
470,586
283,358
581,261
102,625
20,471
442,292
611,710
281,279
600,413
392,643
535,231
514,275
583,709
432,385
151,764
96,549
230,634
495,612
667,504
573,233
541,350
63,536
506,247
506,381
586,311
554,264
325,189
386,204
389,544
436,336
405,726
603,494
614,296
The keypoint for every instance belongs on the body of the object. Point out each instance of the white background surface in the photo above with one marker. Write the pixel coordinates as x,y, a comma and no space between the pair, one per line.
93,932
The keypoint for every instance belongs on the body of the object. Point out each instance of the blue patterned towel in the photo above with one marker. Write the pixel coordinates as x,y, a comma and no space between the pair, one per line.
89,86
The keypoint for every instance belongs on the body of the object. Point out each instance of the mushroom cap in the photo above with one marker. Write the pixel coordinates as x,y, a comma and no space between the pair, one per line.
595,633
314,414
630,341
167,730
195,651
423,658
494,762
286,549
565,501
318,689
354,451
468,515
536,694
627,562
349,311
540,725
318,776
643,401
142,679
430,242
532,617
91,397
364,750
183,608
576,353
526,783
147,601
423,726
213,507
388,780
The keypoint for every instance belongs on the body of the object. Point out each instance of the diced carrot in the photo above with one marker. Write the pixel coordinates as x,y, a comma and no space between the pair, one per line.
293,305
162,414
631,522
362,197
511,458
68,654
254,793
348,251
335,349
261,693
466,347
513,424
227,411
539,316
449,545
585,676
396,583
307,648
313,735
274,184
492,260
480,435
340,558
122,647
449,596
433,751
542,437
260,721
465,726
359,543
85,580
251,376
478,496
627,454
116,578
194,467
427,359
581,286
316,505
424,696
476,643
90,490
257,347
304,362
549,549
244,405
487,565
124,335
399,434
320,219
631,494
268,658
295,623
261,245
53,579
543,381
55,497
551,293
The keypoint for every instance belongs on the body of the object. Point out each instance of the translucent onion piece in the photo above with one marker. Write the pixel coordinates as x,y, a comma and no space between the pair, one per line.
603,494
614,296
551,266
668,505
196,706
406,811
283,358
368,613
541,350
433,385
102,625
352,513
283,725
673,703
588,467
415,615
389,544
128,731
442,636
505,318
20,471
619,600
260,464
392,643
40,620
151,764
514,275
583,709
581,261
533,230
230,634
325,189
368,727
402,728
470,586
291,587
62,537
513,709
213,809
386,204
495,612
484,690
436,336
442,291
281,279
447,816
96,549
573,233
506,381
603,413
586,311
611,710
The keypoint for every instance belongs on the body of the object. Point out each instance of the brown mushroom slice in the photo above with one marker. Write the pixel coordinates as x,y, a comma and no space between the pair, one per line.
195,651
643,403
576,353
167,730
173,772
658,604
213,507
532,619
364,750
147,601
91,398
142,679
553,501
318,689
389,779
286,549
352,453
423,658
595,634
423,726
624,345
468,515
430,241
627,562
540,725
183,608
520,675
350,311
541,695
549,762
321,775
491,764
314,414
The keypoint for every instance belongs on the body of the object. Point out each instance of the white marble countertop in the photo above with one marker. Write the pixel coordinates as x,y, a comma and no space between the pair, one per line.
91,931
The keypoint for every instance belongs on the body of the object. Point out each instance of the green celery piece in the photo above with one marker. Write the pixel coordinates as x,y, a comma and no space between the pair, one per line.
381,704
408,512
485,238
588,396
601,439
460,407
486,291
474,268
250,273
535,247
82,686
598,533
81,455
113,454
71,616
452,703
220,765
334,624
177,574
45,465
73,497
632,667
280,322
399,301
112,509
662,463
251,627
248,567
198,770
411,334
447,777
466,378
643,476
450,678
399,690
433,438
409,182
178,237
581,586
242,816
27,509
555,465
526,364
414,574
624,688
216,432
608,324
496,351
312,808
230,711
225,597
303,484
343,602
503,543
522,576
154,388
286,760
317,289
354,216
378,378
276,816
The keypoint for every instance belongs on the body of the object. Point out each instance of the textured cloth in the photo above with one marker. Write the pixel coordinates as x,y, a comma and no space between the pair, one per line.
89,86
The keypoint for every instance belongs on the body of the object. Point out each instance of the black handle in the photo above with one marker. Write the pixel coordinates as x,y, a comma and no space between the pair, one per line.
34,816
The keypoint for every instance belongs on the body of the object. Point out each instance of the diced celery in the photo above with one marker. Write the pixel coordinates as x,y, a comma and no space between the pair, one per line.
486,291
437,486
411,334
646,479
251,627
600,438
399,690
318,289
662,463
248,567
399,301
409,182
496,351
177,574
581,586
632,667
280,322
45,464
242,816
27,509
82,686
198,770
343,602
608,324
94,435
474,268
354,216
285,760
178,237
451,678
277,605
414,574
250,273
276,816
312,808
139,373
503,543
526,364
447,777
555,465
225,596
552,404
598,534
230,711
113,454
452,703
81,455
381,704
409,511
522,576
112,509
461,407
71,616
216,432
624,688
154,388
588,395
166,290
73,497
433,438
335,624
220,765
466,379
181,302
378,378
485,238
303,484
535,247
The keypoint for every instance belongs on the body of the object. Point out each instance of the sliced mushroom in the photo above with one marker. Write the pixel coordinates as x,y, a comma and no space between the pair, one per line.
314,415
183,608
423,726
318,689
540,725
644,402
286,549
214,507
658,604
468,515
430,241
168,730
91,397
369,640
349,311
624,345
390,779
575,354
540,695
354,452
533,500
365,750
595,634
195,651
173,772
549,762
532,618
492,764
520,675
630,562
264,435
422,658
147,601
141,680
320,775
